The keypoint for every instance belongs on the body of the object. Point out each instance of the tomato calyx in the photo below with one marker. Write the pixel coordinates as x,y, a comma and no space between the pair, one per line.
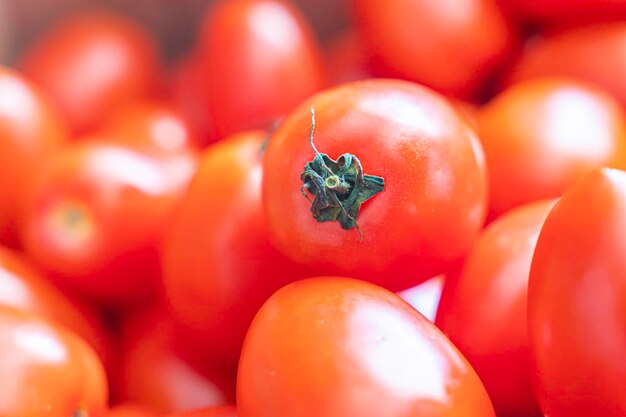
338,187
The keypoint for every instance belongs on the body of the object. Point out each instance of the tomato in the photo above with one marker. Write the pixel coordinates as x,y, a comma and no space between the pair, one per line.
225,411
22,287
30,131
130,410
219,265
260,60
542,135
150,125
46,370
557,11
97,215
593,53
336,347
577,299
154,374
90,63
452,46
483,309
429,209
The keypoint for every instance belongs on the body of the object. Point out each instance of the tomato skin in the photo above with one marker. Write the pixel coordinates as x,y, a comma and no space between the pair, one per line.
541,135
85,197
260,59
67,63
130,410
154,373
46,370
576,299
491,333
30,131
592,53
452,46
330,347
557,11
225,411
434,200
219,264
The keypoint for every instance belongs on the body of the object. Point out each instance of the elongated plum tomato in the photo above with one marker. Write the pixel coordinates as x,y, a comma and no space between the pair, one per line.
336,347
219,264
30,131
46,370
410,162
577,301
483,308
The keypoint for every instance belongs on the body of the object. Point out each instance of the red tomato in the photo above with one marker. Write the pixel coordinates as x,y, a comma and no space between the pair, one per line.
226,411
155,375
556,11
434,197
450,45
90,63
46,370
260,60
30,131
542,135
130,410
483,309
22,287
577,301
218,263
592,53
97,215
333,347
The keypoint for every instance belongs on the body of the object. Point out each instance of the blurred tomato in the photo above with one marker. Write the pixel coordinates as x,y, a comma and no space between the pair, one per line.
452,46
483,309
577,301
333,347
592,53
131,410
30,131
96,216
542,135
154,374
226,411
46,370
558,11
90,63
426,214
347,59
259,60
218,263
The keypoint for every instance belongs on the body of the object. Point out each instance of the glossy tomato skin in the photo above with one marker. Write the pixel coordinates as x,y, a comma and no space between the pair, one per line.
451,45
434,197
30,131
576,299
24,288
225,411
541,135
90,63
219,264
592,53
260,59
46,370
483,308
97,214
330,347
154,373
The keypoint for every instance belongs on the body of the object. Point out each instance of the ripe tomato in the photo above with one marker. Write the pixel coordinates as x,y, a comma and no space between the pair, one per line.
434,197
154,374
225,411
333,347
219,265
592,53
130,410
542,135
260,60
90,63
450,45
97,214
483,309
46,370
556,11
22,287
30,130
577,299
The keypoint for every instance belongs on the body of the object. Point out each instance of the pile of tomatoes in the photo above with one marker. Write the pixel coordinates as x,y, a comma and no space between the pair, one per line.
424,216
